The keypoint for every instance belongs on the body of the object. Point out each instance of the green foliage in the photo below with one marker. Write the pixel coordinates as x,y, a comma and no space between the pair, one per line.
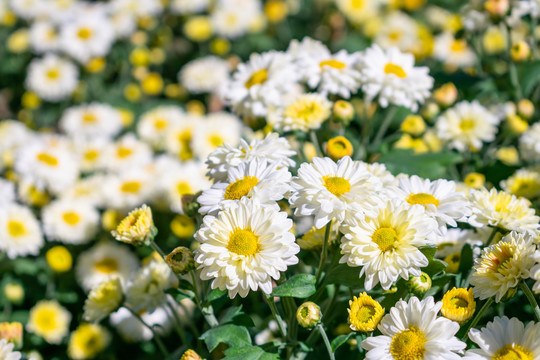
299,286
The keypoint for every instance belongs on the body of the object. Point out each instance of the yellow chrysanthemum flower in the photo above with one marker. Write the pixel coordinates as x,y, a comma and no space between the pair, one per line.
364,313
137,228
458,304
103,300
87,341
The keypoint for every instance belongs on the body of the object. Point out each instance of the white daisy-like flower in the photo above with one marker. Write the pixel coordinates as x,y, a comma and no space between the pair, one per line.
505,338
272,149
126,153
217,129
454,53
304,112
90,153
412,330
179,138
260,83
328,190
183,7
88,189
466,125
52,78
124,24
500,209
387,245
7,192
44,37
91,121
50,320
439,198
28,9
129,189
535,272
453,241
233,18
146,290
14,134
105,260
137,7
306,47
399,30
392,76
70,221
359,12
256,179
7,352
103,299
204,75
20,234
245,247
154,125
529,144
379,170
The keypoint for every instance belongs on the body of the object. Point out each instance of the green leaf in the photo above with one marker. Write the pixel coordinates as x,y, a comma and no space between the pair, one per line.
345,275
216,294
340,340
430,165
249,353
26,266
236,316
299,286
529,74
435,266
232,335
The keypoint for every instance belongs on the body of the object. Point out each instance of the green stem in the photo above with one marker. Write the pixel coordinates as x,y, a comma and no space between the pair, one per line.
277,316
156,337
177,324
535,39
530,296
514,80
475,320
315,141
324,250
326,342
492,236
384,125
207,311
333,300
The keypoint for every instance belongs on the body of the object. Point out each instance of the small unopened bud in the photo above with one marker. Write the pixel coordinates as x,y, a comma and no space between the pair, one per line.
14,292
516,124
419,284
308,314
520,51
508,155
525,108
343,112
190,206
12,332
137,228
446,95
475,180
181,260
497,8
414,125
190,355
338,147
430,110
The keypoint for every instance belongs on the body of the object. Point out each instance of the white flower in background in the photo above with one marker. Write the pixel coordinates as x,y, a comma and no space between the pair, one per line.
387,245
88,189
20,233
535,272
439,198
256,179
7,192
453,241
52,78
129,189
44,37
308,47
50,320
272,148
454,53
204,75
70,221
523,183
529,143
138,8
154,125
103,299
7,352
178,139
125,153
379,170
62,11
412,330
304,112
28,9
260,83
91,121
124,24
13,134
399,30
359,12
184,7
234,18
505,338
91,153
105,260
391,76
146,290
466,125
217,129
245,247
344,190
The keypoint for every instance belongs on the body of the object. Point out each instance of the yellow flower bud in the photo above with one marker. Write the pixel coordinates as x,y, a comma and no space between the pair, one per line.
30,100
308,315
430,110
59,259
195,107
275,10
110,219
520,51
14,292
139,38
96,65
446,95
419,284
453,262
516,124
19,41
338,147
180,260
9,18
140,57
132,92
475,180
127,117
220,46
157,56
497,8
458,305
152,84
414,125
525,108
343,112
508,155
183,226
190,355
198,28
494,41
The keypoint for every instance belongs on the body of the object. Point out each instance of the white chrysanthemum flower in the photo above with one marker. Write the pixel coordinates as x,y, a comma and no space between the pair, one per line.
179,138
500,209
126,153
204,75
453,241
184,7
535,272
52,78
523,183
7,352
307,47
44,37
28,9
260,83
103,299
105,260
503,265
256,179
505,338
454,53
154,125
146,290
20,234
379,170
216,130
304,112
466,125
92,120
529,144
399,30
439,198
233,18
124,24
245,247
88,189
392,76
129,189
138,8
327,190
49,320
412,330
91,152
13,135
272,149
387,244
70,221
7,192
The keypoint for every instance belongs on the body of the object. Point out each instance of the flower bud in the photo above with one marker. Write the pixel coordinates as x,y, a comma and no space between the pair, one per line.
190,355
419,284
137,228
525,108
12,332
338,147
475,180
343,112
516,124
446,95
520,51
59,259
497,8
508,155
308,314
430,110
190,206
14,292
458,305
414,125
181,260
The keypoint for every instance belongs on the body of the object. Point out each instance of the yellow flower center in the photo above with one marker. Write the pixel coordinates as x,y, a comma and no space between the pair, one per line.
16,228
332,63
306,111
89,118
46,320
243,242
457,302
53,74
91,155
458,46
84,33
131,187
336,185
215,140
397,70
466,125
160,124
257,78
422,199
106,265
71,217
183,187
47,159
512,352
365,313
357,4
240,188
395,35
408,344
123,152
385,238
